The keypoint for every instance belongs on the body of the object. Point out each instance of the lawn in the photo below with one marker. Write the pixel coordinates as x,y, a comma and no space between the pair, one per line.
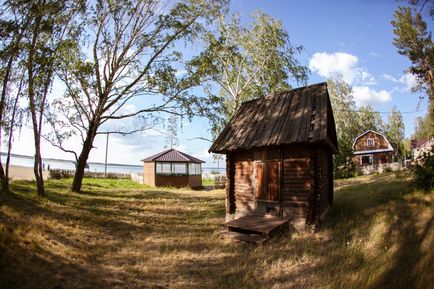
118,234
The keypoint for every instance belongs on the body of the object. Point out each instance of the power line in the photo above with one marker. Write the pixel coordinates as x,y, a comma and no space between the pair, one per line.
402,112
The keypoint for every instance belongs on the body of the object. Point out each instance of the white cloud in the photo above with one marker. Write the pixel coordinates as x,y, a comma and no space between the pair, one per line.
345,64
365,95
374,54
389,77
408,79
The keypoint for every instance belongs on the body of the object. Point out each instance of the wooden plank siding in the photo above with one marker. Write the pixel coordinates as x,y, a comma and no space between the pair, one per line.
380,142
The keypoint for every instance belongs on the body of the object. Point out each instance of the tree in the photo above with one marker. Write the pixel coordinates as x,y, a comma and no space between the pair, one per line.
246,62
422,128
10,42
395,131
172,131
347,125
414,41
370,120
132,57
48,32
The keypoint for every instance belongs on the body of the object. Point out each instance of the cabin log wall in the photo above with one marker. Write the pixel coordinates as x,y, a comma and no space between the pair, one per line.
306,184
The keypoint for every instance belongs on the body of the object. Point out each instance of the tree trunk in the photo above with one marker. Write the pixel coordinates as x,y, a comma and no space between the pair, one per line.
11,132
3,178
82,159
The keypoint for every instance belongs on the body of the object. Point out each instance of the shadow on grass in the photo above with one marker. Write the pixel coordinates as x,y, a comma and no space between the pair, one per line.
159,239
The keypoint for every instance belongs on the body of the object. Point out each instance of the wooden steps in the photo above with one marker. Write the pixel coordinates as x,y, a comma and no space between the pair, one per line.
254,228
248,238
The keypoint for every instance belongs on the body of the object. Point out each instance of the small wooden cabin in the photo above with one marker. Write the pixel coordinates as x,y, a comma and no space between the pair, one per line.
372,148
279,155
172,168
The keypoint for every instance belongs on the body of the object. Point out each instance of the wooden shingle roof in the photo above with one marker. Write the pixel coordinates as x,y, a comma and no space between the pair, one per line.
172,155
299,116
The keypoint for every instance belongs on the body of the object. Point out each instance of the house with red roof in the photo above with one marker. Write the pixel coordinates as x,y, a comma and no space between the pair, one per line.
172,168
372,148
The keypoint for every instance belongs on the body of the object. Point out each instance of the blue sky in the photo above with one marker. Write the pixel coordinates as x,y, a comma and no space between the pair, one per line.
353,38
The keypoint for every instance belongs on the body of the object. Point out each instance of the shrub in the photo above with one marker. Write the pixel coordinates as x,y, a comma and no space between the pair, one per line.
424,171
388,170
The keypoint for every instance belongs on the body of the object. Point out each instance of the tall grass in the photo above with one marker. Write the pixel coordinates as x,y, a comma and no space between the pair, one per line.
118,234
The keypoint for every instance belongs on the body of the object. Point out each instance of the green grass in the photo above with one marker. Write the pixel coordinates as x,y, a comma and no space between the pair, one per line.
207,182
119,234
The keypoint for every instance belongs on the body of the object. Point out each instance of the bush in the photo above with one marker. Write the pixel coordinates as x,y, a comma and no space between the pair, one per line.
388,170
424,171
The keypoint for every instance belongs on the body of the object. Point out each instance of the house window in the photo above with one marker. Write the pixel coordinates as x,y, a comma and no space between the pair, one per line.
371,142
366,160
268,180
179,168
194,169
166,168
170,168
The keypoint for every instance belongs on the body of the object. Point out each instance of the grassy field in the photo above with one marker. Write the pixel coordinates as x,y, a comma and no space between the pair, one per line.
118,234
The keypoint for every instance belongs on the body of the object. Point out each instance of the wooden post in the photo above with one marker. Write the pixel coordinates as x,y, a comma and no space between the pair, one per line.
230,186
106,153
281,189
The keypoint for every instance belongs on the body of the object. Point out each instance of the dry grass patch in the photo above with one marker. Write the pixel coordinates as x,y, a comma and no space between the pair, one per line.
118,234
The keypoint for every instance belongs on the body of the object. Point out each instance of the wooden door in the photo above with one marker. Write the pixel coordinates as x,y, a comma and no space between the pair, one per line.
268,187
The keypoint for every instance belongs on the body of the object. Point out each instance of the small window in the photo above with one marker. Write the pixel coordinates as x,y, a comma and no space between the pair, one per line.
366,160
371,142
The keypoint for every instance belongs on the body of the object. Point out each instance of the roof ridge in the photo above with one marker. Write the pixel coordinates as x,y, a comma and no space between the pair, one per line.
178,154
271,95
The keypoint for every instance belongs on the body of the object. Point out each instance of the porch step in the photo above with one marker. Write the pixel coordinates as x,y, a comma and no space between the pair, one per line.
254,228
249,238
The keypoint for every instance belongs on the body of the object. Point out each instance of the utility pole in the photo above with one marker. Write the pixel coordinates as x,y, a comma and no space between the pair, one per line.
106,153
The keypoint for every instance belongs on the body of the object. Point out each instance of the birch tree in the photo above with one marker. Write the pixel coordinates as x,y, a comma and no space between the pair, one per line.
395,131
245,62
347,125
130,69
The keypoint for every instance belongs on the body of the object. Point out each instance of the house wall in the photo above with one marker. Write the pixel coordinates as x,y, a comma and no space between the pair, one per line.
377,158
195,181
304,187
298,182
171,181
178,181
323,190
362,144
149,173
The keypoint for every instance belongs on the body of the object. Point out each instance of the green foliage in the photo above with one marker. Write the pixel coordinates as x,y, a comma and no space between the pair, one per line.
172,128
347,126
370,120
395,131
422,128
245,62
413,39
424,172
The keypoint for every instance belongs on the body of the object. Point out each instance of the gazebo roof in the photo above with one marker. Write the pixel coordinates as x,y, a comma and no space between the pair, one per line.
172,155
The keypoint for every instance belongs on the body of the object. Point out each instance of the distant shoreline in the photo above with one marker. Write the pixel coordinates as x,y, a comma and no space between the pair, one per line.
62,160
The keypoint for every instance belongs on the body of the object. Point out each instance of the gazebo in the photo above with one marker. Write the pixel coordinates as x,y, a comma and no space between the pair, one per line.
172,168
